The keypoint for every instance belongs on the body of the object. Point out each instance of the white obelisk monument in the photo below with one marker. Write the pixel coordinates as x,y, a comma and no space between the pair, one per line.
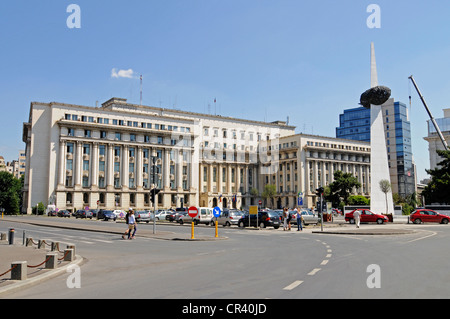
379,167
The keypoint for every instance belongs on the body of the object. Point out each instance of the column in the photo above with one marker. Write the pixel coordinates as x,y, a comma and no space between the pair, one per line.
125,173
139,169
166,169
179,170
110,168
62,163
78,167
94,167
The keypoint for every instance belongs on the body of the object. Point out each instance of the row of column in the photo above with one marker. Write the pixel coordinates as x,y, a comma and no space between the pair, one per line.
94,159
228,172
356,170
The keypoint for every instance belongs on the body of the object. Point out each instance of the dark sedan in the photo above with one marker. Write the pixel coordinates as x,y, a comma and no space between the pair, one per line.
263,220
106,215
63,213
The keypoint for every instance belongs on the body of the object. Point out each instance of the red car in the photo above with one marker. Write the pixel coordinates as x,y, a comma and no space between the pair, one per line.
366,217
427,215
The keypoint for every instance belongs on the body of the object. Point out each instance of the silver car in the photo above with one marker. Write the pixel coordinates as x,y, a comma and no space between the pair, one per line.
143,216
227,218
308,217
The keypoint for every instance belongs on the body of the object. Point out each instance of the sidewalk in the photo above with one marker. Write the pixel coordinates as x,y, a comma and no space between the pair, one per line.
36,271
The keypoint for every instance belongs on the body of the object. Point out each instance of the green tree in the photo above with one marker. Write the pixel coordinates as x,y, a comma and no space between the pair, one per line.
385,187
338,192
10,193
269,192
438,189
358,200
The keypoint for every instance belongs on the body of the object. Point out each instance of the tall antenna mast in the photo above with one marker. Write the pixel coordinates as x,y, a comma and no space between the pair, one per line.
141,91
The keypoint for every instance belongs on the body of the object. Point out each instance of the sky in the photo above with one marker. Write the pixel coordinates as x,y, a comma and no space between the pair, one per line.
305,61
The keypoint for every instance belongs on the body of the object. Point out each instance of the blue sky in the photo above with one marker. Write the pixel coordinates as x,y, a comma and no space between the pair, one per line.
262,60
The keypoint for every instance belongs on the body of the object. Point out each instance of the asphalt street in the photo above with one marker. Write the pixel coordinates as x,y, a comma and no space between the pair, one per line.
256,264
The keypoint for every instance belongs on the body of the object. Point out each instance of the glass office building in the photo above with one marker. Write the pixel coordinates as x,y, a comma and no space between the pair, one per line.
354,124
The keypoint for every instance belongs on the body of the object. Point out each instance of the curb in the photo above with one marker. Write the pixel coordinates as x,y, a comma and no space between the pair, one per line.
39,278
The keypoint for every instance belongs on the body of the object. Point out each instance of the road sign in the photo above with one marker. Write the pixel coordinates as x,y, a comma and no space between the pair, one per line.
260,202
216,211
192,211
253,210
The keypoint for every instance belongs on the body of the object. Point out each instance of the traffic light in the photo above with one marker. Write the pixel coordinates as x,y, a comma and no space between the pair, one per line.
153,194
319,192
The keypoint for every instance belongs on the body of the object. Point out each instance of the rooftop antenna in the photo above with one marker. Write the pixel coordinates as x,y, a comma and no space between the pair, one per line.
141,91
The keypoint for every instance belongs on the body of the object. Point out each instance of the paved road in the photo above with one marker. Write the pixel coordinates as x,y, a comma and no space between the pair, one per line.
254,264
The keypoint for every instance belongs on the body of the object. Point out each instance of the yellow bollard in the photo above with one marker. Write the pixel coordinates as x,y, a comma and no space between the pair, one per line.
192,231
217,223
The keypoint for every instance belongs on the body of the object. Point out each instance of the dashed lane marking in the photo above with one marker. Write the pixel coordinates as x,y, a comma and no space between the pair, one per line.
293,285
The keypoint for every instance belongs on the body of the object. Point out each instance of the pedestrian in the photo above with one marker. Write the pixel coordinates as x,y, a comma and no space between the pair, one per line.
299,217
285,213
126,222
130,220
131,224
289,217
357,217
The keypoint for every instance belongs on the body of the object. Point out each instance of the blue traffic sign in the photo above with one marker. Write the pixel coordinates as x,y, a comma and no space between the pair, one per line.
216,211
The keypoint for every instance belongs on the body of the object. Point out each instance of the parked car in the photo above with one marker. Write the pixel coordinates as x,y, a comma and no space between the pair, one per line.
366,217
179,215
106,215
308,217
94,212
120,214
262,219
205,215
161,215
428,216
143,216
63,213
83,214
171,216
228,218
52,213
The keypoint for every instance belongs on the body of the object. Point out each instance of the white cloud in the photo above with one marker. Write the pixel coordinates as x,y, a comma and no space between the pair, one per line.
122,73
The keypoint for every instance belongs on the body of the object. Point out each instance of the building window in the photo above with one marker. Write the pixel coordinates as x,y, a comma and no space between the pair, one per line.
85,181
85,165
102,149
86,149
69,148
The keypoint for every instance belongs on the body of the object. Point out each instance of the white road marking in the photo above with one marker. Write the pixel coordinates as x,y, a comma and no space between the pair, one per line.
420,238
314,271
293,285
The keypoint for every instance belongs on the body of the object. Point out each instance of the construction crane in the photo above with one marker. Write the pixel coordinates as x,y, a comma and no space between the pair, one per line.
429,113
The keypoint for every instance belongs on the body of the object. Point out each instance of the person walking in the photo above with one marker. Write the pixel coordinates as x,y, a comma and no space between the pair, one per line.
130,220
289,217
357,217
131,224
299,217
285,219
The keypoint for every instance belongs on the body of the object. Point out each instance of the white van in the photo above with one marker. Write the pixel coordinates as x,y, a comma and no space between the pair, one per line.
205,215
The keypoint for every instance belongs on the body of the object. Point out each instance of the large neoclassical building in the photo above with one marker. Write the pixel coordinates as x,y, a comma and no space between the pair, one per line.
112,156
